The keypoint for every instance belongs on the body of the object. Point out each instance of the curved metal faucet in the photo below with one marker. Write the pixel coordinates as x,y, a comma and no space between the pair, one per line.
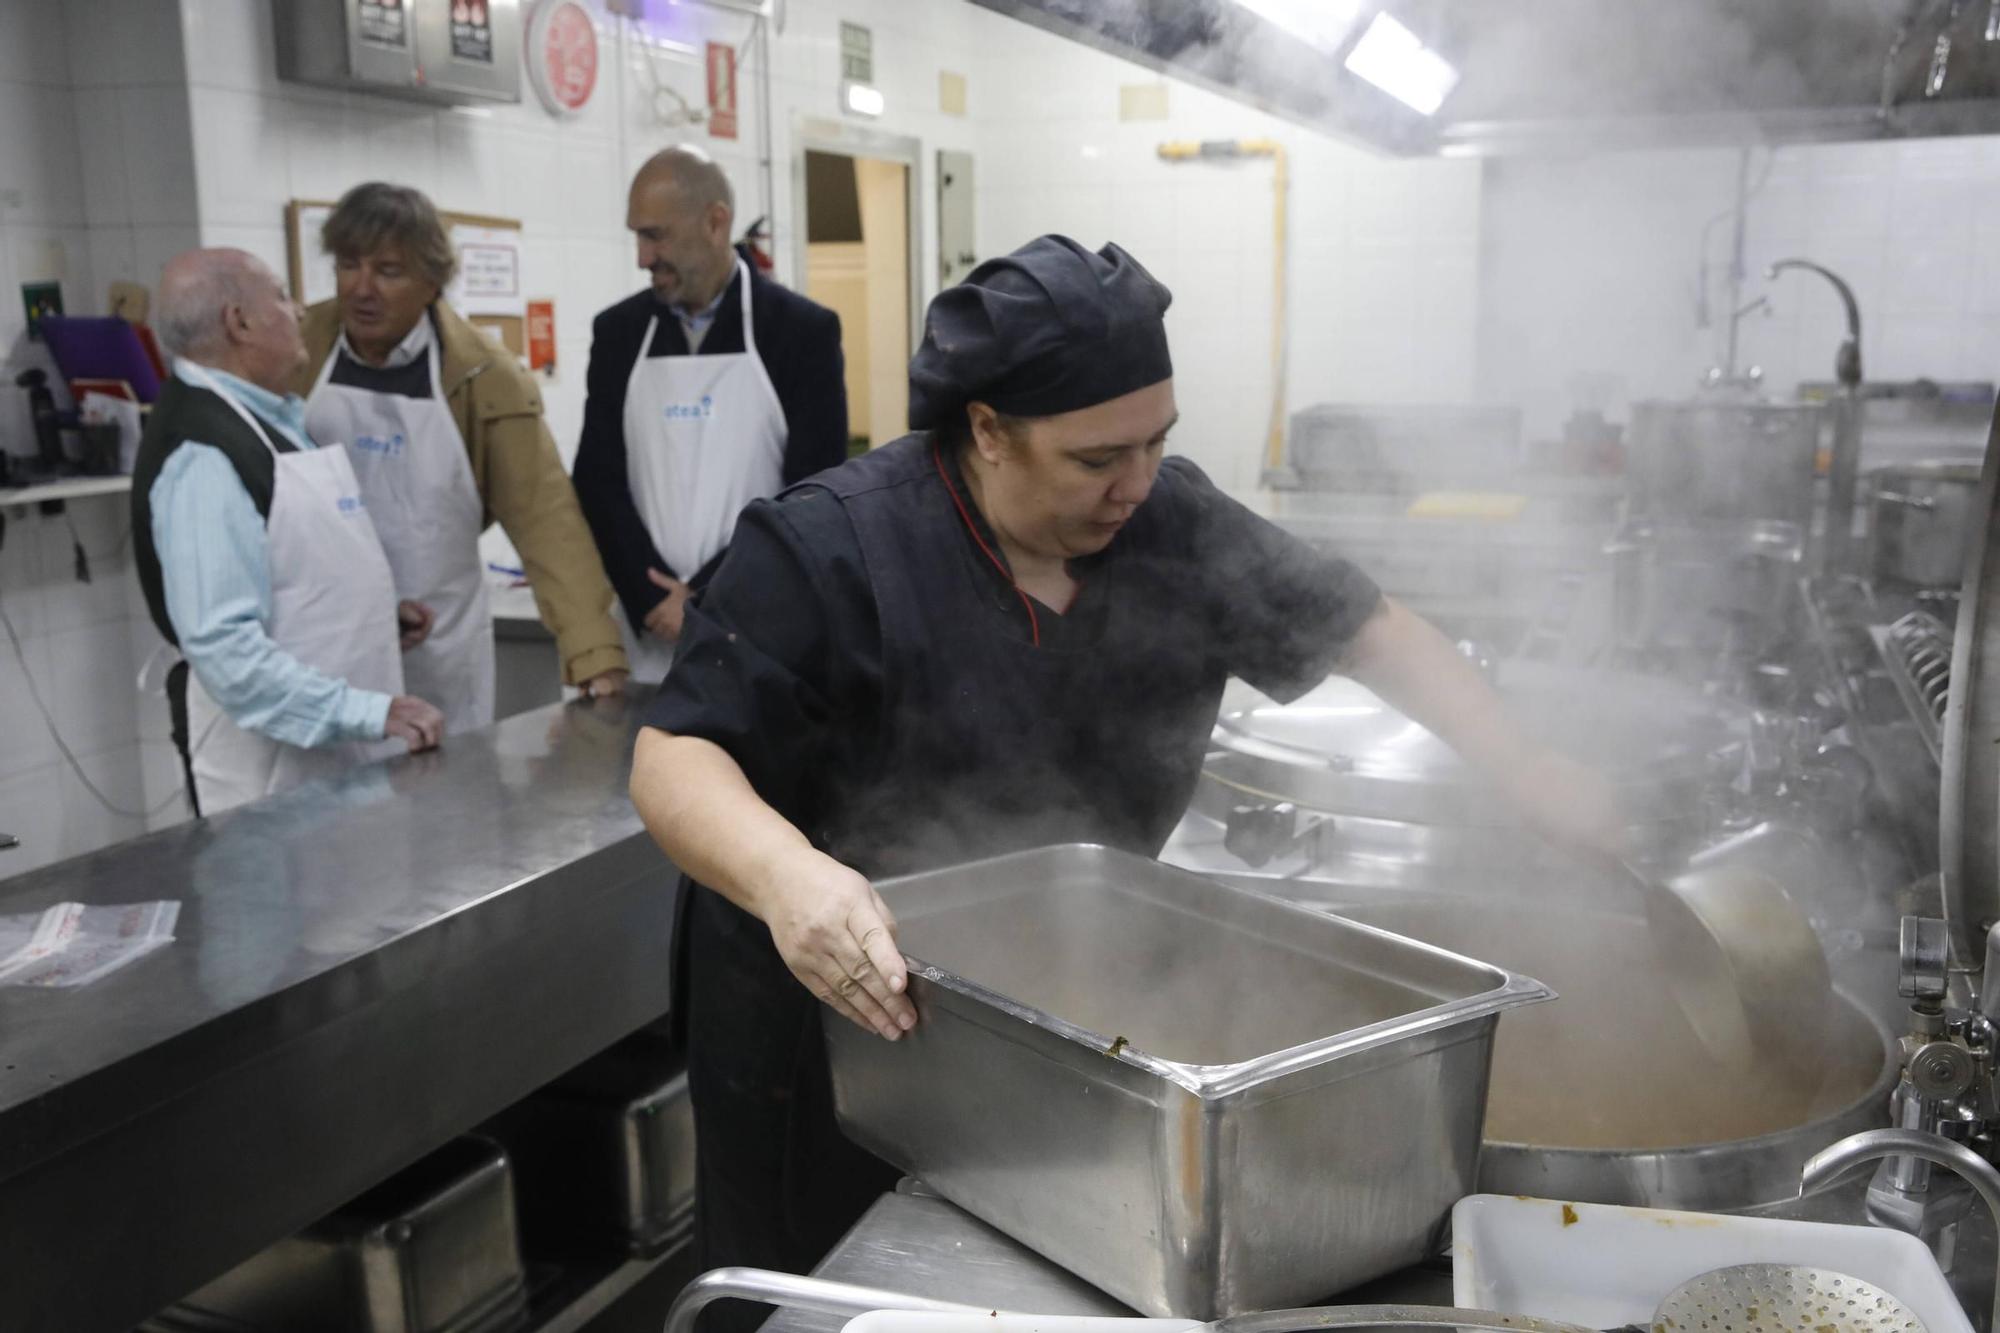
1851,1151
1847,362
1844,467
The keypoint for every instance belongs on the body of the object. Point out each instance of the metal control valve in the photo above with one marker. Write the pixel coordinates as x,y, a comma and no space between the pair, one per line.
1947,1088
1924,970
1259,834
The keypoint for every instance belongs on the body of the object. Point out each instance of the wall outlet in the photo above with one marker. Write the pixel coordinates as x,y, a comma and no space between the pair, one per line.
1142,101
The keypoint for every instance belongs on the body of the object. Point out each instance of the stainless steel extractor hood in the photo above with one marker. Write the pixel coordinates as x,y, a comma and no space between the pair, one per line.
1563,75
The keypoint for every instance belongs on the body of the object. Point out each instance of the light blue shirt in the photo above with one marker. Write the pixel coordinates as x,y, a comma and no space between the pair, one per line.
217,575
695,323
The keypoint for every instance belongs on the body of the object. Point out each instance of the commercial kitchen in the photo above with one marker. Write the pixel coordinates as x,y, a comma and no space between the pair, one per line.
1387,721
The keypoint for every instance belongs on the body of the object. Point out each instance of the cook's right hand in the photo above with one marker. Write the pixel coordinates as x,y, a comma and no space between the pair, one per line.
414,721
838,938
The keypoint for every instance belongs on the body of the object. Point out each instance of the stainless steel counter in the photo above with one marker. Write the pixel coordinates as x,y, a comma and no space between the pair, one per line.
365,967
915,1243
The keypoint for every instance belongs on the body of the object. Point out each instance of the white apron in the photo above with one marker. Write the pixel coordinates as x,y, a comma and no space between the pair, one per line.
704,436
333,607
417,480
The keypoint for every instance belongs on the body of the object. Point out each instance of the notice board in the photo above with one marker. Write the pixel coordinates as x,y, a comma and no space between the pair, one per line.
487,289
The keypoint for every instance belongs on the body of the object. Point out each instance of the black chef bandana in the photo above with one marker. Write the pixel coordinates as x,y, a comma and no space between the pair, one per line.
1050,328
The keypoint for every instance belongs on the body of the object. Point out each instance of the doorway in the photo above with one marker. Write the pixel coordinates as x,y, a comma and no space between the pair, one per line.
858,196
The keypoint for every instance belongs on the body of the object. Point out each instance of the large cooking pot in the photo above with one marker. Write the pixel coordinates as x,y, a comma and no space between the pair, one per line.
1712,463
1918,514
1678,590
1607,1095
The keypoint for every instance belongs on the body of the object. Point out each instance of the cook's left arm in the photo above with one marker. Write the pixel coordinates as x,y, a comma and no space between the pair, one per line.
531,496
1405,659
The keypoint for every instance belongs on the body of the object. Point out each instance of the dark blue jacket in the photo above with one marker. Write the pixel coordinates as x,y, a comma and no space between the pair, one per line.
799,343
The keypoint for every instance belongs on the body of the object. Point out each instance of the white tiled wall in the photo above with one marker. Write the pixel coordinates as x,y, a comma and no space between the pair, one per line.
1382,256
1590,265
259,143
41,195
94,185
77,647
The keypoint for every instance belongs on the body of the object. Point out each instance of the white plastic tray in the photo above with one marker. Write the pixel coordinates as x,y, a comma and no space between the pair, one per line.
1601,1266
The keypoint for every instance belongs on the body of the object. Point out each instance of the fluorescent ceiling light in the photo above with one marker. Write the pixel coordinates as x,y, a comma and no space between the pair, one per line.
864,100
1390,57
1321,23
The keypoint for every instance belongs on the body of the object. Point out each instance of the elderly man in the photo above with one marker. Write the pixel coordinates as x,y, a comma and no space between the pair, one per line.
712,388
257,556
446,433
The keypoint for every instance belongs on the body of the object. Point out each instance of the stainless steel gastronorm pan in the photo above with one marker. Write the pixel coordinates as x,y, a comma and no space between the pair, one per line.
1201,1099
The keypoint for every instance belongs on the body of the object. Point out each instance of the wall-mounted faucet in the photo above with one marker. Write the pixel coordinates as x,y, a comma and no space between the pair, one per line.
1847,361
1844,466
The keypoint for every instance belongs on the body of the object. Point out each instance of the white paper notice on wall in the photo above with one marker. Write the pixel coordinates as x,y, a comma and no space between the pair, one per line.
316,282
489,271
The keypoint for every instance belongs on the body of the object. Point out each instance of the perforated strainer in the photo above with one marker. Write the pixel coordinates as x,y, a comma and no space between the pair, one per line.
1781,1298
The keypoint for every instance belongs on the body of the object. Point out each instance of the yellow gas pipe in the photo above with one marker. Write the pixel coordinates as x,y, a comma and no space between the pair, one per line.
1189,150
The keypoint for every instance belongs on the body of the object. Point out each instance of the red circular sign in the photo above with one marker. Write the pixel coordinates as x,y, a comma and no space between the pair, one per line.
563,55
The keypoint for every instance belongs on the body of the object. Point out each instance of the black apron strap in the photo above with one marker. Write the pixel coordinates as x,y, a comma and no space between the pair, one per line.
177,709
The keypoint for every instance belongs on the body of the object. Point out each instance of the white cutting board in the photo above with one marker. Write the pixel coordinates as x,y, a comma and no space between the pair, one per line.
1602,1267
918,1321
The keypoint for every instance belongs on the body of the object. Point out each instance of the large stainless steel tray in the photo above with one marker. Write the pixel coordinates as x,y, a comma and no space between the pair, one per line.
1200,1099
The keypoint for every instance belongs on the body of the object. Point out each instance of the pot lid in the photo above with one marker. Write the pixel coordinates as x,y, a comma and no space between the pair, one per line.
1341,749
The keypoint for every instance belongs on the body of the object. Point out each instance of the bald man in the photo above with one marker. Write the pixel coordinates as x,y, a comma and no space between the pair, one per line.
257,555
712,388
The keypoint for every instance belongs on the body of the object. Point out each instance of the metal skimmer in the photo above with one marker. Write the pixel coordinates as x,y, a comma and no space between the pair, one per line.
1781,1298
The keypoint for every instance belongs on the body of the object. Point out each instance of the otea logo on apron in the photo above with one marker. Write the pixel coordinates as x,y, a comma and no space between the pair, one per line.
700,411
390,446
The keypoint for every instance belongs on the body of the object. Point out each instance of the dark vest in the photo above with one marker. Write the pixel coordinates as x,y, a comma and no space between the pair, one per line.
185,412
990,743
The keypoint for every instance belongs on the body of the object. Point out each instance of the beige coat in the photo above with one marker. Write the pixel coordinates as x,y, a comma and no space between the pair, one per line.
521,482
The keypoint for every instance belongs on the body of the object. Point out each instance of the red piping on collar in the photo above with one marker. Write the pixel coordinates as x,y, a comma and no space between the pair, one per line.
1027,602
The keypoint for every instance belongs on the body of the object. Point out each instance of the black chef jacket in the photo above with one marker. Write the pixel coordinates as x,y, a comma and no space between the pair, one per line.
882,685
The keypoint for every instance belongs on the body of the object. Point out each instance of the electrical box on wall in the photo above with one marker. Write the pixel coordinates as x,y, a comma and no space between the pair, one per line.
453,52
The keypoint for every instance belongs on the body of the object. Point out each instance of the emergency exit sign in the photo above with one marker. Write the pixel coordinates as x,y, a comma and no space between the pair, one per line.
857,54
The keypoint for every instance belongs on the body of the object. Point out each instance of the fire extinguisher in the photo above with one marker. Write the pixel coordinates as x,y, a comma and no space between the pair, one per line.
756,246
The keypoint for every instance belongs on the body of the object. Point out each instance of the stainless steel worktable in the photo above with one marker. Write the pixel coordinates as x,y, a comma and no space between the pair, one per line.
364,968
915,1243
918,1244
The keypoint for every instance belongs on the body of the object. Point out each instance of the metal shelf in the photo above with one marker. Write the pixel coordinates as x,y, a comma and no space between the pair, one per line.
70,488
583,1293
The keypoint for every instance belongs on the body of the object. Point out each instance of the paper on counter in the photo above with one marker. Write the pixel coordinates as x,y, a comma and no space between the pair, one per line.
72,944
